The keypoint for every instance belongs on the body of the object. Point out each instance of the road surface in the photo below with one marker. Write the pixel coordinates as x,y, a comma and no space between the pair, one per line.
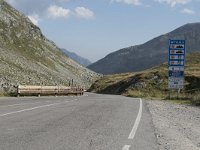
89,122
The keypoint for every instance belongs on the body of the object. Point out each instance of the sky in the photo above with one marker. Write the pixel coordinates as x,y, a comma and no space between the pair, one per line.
95,28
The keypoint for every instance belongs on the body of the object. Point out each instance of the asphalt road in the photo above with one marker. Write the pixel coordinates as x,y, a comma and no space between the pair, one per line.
89,122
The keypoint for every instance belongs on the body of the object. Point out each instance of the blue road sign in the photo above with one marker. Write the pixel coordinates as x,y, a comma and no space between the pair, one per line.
176,74
176,63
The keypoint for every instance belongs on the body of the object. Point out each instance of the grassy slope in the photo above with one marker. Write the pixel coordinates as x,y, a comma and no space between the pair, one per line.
149,83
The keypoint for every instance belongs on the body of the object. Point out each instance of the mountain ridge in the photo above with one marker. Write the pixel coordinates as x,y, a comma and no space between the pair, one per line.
149,54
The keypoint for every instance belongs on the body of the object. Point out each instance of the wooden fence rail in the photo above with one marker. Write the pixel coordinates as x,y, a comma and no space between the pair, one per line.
48,90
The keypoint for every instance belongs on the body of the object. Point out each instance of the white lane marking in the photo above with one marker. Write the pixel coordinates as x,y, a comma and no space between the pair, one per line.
29,109
137,121
126,147
20,104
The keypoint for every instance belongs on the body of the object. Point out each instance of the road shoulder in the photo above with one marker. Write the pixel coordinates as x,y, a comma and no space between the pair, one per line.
176,126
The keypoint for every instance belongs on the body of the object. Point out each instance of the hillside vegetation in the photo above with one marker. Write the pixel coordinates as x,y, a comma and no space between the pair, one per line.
152,83
28,57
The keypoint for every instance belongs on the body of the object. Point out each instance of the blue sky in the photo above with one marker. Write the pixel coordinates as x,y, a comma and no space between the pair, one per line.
95,28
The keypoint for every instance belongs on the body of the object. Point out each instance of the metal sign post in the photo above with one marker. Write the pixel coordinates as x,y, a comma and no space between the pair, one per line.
176,64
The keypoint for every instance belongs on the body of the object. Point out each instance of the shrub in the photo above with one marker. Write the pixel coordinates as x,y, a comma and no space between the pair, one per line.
196,98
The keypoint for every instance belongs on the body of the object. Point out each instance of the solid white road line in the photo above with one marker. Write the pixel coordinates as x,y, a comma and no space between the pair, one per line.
126,147
137,121
135,127
29,109
21,104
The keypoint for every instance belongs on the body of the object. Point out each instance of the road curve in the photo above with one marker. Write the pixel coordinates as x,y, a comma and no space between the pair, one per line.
89,122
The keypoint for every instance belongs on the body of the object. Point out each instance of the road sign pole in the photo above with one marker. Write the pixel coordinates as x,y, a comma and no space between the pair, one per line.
177,94
169,95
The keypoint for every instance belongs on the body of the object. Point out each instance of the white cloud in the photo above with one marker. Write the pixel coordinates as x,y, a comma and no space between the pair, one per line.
51,9
83,12
174,2
188,11
34,18
58,12
133,2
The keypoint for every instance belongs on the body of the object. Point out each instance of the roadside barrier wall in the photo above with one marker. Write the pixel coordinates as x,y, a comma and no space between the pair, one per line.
48,90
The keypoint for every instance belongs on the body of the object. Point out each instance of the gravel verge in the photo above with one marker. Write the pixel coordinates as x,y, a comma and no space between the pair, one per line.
177,126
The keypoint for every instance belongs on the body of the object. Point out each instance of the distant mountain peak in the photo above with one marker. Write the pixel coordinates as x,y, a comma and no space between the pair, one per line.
81,60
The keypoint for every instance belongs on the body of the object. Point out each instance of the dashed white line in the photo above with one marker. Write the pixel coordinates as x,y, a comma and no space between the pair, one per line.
29,109
126,147
137,121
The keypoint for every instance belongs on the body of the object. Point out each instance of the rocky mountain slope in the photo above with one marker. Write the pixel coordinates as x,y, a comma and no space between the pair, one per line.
83,61
28,57
149,54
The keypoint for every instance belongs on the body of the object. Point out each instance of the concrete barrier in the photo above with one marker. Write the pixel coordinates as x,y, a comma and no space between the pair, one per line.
48,90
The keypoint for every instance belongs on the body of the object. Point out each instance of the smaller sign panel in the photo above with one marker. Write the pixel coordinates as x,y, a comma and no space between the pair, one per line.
176,68
177,46
176,83
176,63
177,74
176,57
174,52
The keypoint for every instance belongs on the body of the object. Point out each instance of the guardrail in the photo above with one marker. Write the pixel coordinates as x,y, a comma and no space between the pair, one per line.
48,90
